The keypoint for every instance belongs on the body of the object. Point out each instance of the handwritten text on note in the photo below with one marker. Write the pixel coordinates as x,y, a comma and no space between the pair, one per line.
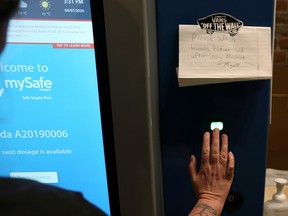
218,57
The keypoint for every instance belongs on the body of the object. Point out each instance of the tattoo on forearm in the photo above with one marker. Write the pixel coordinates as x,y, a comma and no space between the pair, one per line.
206,209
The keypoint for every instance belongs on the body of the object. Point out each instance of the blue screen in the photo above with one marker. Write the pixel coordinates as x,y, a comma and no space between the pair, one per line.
50,123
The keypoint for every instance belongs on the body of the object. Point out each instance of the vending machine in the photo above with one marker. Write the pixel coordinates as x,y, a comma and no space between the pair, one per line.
241,107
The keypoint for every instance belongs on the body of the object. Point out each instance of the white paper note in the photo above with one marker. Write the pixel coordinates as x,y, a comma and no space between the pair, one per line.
218,57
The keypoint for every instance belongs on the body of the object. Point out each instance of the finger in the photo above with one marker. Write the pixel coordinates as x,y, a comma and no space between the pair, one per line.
230,166
224,150
215,145
205,155
192,167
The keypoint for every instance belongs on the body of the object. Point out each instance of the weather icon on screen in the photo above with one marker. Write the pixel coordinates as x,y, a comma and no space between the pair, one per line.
45,5
23,4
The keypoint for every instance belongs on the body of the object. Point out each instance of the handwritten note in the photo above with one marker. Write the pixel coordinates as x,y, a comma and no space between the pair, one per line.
218,57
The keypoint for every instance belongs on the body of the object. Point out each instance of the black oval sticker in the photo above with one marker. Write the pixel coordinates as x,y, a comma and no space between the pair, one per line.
220,22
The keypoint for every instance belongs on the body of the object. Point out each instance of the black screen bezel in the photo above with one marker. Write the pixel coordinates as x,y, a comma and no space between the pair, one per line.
98,22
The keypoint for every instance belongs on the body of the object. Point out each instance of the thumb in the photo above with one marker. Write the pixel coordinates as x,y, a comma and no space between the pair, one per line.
192,167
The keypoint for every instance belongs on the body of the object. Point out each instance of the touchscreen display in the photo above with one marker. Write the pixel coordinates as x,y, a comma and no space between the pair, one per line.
50,125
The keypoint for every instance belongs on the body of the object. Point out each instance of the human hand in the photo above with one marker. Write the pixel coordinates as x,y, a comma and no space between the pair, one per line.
213,180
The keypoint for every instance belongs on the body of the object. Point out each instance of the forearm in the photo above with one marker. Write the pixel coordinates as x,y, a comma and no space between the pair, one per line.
206,208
